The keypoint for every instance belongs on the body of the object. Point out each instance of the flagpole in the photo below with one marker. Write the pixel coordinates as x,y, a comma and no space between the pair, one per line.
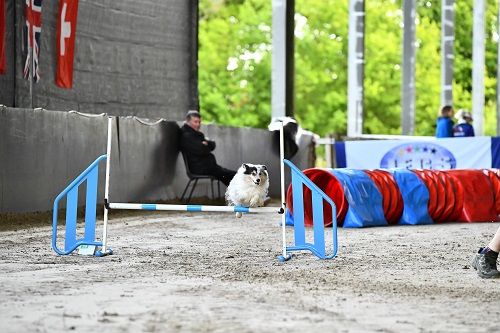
31,69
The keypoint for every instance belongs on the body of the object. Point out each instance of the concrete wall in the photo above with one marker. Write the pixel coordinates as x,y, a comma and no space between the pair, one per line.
131,58
41,152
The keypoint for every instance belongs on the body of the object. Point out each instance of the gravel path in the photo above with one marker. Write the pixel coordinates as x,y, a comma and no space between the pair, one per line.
210,272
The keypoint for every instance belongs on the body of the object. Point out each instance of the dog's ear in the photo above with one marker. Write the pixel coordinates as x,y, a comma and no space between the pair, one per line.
245,167
264,167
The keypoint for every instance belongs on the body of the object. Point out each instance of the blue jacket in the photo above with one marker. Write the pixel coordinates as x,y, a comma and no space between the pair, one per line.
462,130
444,127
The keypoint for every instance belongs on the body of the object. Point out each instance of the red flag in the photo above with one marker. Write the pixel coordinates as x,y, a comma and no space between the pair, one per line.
32,30
2,37
66,31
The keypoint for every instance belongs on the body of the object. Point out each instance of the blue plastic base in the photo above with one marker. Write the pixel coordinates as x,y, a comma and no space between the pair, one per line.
283,259
102,254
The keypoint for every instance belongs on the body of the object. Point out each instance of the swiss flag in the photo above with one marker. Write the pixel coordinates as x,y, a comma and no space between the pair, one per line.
66,31
2,37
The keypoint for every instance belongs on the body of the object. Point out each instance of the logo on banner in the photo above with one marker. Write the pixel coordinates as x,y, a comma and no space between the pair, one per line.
419,155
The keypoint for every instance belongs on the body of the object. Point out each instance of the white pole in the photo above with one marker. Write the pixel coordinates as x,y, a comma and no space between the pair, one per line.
106,189
408,71
478,63
447,51
278,65
282,176
498,74
355,67
192,208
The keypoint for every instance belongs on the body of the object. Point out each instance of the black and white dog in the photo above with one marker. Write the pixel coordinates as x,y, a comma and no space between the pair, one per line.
249,186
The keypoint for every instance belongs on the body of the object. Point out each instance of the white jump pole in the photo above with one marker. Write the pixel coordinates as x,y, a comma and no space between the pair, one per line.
106,188
282,177
192,208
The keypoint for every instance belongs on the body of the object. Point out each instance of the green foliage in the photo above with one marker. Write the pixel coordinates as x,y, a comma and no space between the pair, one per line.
320,65
428,68
383,42
235,63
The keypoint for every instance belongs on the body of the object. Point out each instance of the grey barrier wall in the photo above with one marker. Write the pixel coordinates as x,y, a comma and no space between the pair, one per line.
41,152
131,58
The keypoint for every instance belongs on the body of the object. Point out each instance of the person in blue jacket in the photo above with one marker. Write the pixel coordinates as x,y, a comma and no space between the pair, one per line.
464,127
444,124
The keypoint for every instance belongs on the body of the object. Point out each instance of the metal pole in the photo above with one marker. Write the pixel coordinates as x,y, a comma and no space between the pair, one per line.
289,58
447,56
278,72
478,40
498,71
106,188
408,84
32,66
194,100
356,60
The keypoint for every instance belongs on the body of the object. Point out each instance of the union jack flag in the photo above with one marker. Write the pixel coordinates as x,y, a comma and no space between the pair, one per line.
31,32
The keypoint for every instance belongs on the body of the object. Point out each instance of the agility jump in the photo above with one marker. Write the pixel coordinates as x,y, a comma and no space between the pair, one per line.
90,176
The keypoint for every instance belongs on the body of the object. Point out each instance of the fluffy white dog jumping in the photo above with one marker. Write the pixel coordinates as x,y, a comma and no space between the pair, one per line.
249,186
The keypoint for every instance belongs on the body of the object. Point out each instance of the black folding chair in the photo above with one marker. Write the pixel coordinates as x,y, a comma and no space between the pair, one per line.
194,178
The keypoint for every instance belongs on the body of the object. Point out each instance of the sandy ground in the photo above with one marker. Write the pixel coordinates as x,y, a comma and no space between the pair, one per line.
210,272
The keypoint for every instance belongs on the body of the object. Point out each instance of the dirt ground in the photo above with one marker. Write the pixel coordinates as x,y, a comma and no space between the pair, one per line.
210,272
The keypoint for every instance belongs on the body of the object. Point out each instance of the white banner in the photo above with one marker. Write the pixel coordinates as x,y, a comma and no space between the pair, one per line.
449,153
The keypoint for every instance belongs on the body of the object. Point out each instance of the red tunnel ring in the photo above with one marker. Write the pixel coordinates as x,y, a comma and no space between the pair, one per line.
332,187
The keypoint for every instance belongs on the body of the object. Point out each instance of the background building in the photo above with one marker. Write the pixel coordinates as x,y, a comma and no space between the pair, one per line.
130,59
137,61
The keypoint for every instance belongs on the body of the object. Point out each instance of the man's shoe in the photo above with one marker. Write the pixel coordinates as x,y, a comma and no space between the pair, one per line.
487,265
476,258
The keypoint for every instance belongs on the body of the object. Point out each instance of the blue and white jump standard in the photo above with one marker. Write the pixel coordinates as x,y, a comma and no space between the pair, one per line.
90,175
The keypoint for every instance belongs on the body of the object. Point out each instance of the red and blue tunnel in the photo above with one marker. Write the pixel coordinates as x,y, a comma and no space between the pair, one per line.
367,198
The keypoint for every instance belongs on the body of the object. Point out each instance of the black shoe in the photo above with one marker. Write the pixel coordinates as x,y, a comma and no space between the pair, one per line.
476,258
487,265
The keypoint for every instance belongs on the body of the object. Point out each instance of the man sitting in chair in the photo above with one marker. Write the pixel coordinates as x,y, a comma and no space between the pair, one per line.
198,150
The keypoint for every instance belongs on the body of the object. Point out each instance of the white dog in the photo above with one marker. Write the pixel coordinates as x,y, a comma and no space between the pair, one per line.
249,186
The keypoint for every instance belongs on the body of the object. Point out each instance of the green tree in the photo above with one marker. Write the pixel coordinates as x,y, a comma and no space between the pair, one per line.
321,65
235,63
